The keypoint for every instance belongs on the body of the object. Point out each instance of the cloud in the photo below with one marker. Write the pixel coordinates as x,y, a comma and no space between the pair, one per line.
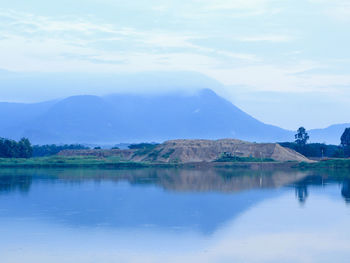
29,23
76,43
282,78
276,238
337,9
266,38
47,43
256,45
259,6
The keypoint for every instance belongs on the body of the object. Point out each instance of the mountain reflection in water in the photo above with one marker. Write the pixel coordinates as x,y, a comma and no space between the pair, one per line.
173,215
224,180
181,198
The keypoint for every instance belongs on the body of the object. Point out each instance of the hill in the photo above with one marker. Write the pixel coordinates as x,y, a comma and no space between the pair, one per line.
134,118
193,151
330,135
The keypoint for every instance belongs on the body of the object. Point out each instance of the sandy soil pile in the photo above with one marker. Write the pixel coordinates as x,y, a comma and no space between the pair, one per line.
185,151
188,151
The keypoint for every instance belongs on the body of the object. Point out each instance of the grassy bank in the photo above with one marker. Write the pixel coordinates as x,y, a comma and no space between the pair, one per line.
74,161
115,162
327,164
225,158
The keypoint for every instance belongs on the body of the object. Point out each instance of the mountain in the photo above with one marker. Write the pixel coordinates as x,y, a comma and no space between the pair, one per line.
134,118
38,86
11,114
329,135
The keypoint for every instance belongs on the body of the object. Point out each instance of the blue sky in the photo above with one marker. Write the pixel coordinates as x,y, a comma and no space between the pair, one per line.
285,62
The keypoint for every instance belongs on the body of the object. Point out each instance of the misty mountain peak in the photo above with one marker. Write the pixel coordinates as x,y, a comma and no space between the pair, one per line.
135,118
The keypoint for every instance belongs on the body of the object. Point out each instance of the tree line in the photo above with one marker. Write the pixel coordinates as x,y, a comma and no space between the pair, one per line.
52,149
14,149
24,149
302,146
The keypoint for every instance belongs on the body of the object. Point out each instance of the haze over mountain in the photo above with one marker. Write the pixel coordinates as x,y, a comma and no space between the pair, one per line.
137,118
280,71
329,135
283,109
133,118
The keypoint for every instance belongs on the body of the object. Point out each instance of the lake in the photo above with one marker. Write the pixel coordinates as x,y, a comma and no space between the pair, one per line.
174,215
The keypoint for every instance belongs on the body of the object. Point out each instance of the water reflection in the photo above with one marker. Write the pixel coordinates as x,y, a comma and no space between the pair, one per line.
301,186
301,192
222,180
321,180
175,198
9,183
345,191
173,215
179,180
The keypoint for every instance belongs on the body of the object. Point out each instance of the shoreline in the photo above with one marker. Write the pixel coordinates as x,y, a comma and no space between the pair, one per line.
91,162
116,163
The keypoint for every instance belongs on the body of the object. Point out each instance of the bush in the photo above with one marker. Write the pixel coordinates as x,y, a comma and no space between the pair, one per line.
314,149
13,149
48,150
143,146
228,157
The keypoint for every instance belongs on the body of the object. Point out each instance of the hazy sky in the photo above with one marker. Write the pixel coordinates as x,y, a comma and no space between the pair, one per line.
286,62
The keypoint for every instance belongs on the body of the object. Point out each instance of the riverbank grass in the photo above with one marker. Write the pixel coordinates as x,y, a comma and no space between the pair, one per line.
71,161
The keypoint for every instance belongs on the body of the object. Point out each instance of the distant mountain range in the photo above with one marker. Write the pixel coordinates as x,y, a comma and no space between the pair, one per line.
138,118
330,135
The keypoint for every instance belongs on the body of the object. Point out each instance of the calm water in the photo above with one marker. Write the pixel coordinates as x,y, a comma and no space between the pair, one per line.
173,215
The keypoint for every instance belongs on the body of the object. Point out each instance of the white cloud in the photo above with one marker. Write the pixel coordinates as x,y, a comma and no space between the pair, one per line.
277,237
29,23
236,4
281,79
337,9
37,43
265,38
160,8
262,45
45,49
40,43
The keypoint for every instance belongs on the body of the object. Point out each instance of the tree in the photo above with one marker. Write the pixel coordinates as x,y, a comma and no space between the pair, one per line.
13,149
345,138
52,149
143,146
345,142
25,149
301,137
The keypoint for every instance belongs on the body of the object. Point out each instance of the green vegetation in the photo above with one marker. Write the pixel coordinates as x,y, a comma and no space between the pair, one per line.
167,155
319,150
301,137
227,157
52,149
314,149
62,161
13,149
19,154
345,142
327,164
143,146
345,138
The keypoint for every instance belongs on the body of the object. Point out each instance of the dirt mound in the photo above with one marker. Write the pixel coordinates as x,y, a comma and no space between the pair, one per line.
189,151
